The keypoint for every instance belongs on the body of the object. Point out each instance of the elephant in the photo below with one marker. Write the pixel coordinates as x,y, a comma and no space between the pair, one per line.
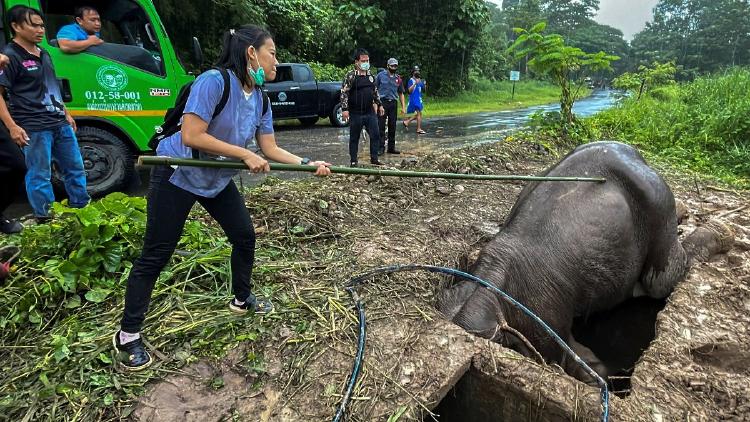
569,249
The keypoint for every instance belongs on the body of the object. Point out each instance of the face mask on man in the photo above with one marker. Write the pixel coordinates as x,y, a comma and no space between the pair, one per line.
364,66
392,69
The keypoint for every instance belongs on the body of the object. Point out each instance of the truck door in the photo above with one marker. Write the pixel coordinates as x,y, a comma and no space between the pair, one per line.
283,92
118,91
308,91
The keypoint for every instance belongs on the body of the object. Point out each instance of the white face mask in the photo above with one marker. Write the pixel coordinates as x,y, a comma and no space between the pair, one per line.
364,66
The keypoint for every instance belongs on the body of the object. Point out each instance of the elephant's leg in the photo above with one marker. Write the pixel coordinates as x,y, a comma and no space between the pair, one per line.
681,210
588,356
660,284
704,242
708,240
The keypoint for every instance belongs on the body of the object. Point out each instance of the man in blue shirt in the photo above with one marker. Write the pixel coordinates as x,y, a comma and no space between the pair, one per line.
416,87
391,89
79,36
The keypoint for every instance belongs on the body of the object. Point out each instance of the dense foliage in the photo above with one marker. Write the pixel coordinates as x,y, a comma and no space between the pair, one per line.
548,54
702,125
699,35
455,42
64,298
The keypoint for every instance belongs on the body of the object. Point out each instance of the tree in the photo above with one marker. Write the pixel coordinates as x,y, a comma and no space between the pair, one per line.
551,56
647,77
699,35
567,16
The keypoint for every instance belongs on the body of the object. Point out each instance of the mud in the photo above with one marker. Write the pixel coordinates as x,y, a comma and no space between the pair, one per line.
695,369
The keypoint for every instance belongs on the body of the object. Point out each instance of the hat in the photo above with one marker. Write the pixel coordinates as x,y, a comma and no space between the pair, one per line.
392,62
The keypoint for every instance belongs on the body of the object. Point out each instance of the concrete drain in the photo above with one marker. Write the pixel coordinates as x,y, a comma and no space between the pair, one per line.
478,397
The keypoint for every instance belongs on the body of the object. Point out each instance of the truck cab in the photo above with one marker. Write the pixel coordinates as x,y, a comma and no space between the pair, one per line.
118,92
295,94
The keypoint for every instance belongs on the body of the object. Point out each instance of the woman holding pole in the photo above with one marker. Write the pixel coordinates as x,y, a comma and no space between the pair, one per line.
249,54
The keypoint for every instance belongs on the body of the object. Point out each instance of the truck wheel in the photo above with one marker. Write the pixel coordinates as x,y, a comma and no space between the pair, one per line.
108,161
308,121
337,118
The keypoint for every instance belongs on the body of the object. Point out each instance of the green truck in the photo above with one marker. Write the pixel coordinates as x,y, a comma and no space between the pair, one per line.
118,92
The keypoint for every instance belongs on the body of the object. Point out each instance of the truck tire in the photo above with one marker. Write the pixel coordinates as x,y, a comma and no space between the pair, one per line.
337,119
108,161
308,121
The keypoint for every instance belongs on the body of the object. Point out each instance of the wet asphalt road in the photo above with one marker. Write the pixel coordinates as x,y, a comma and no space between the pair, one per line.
324,142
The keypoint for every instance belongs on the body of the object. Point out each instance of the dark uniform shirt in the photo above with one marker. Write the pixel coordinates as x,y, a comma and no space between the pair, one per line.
34,98
359,93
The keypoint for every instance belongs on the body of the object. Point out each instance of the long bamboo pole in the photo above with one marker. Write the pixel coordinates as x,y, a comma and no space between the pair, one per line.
171,161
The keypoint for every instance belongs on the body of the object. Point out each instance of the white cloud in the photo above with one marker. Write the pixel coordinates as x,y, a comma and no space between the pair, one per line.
629,16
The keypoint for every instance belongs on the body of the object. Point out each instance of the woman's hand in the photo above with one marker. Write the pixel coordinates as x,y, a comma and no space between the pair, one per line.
256,163
322,166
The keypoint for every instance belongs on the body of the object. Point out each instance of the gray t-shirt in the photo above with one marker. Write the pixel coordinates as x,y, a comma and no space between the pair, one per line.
389,86
237,124
34,98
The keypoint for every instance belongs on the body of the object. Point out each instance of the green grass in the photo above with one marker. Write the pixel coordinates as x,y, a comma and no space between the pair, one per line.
702,126
64,298
487,96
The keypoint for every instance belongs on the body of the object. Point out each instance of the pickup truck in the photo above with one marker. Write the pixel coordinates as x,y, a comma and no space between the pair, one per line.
295,94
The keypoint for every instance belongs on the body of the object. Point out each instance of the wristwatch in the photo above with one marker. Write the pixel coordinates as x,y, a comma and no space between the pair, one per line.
305,160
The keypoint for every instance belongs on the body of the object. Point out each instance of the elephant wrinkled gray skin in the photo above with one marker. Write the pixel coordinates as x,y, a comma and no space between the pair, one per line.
571,249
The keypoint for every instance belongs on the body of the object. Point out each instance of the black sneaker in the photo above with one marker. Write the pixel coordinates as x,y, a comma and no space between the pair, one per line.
42,219
138,357
394,151
9,226
376,163
353,164
259,306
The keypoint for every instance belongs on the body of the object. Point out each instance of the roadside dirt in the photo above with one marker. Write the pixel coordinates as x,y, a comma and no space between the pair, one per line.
695,369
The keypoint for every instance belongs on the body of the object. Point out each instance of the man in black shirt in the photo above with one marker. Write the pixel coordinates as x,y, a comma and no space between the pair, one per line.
36,117
359,97
12,169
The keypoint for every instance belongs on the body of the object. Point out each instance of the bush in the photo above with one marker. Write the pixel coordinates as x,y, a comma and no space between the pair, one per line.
328,72
703,124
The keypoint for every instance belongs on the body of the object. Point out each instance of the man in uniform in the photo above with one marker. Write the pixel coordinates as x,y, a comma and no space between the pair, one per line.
359,101
390,86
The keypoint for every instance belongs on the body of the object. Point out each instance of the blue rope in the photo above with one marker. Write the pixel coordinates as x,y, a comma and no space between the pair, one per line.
361,279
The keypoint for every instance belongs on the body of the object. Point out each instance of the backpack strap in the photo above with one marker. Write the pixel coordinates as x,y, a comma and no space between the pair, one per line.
266,101
222,102
225,93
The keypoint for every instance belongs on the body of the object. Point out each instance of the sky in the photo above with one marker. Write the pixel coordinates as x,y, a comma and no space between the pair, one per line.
629,16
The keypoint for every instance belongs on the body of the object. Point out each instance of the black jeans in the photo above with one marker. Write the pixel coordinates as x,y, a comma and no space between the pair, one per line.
391,113
168,208
12,170
370,122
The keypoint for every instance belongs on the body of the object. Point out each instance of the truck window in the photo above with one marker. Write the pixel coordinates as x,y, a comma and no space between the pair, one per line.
302,74
284,74
126,30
